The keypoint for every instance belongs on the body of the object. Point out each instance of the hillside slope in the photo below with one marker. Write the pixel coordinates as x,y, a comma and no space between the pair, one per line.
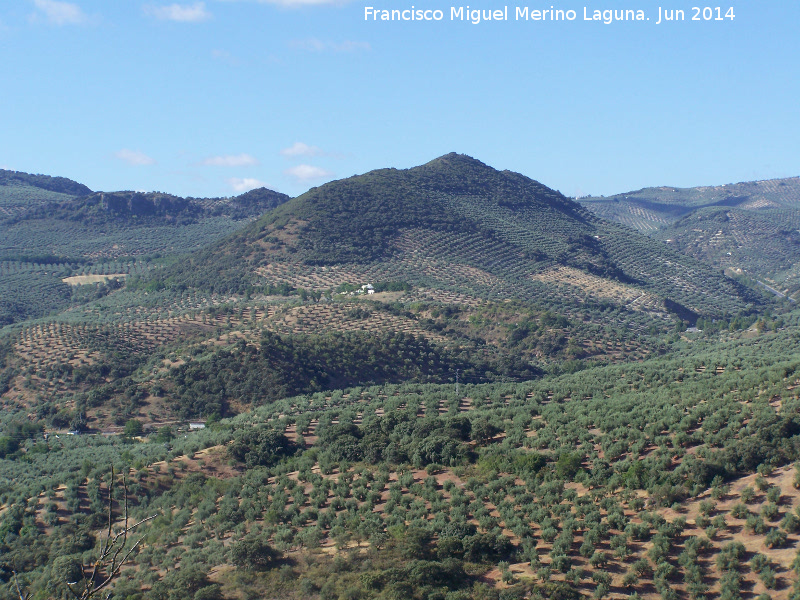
653,208
457,224
742,240
20,191
750,228
671,478
52,228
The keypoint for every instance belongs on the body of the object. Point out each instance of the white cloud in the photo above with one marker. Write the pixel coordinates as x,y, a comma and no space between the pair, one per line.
60,13
301,149
134,157
307,173
238,160
350,46
245,185
224,56
315,45
183,13
311,45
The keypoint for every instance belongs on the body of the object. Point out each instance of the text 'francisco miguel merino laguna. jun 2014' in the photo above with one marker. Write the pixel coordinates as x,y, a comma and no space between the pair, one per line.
658,15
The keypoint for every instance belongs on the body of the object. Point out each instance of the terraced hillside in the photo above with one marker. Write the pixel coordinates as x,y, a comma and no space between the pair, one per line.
749,228
443,383
52,228
456,224
650,209
104,362
763,244
670,478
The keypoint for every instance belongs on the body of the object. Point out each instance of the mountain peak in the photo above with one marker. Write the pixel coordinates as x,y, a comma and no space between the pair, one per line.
454,161
452,223
456,158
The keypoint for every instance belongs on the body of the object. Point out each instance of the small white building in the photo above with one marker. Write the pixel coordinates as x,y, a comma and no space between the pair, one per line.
196,426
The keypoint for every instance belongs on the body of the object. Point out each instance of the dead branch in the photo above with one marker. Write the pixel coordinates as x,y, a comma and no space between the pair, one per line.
113,554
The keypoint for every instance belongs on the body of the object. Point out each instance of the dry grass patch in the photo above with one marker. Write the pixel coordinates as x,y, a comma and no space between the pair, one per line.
84,279
598,287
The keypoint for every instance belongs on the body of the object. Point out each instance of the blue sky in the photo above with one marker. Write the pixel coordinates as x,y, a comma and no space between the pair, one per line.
212,98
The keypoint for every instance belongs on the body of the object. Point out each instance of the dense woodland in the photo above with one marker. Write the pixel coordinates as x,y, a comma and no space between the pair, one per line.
445,383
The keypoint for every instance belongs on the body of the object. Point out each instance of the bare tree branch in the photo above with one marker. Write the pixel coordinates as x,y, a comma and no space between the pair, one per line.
22,595
113,554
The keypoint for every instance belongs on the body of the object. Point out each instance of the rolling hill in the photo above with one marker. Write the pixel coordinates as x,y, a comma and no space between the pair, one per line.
52,228
749,228
456,224
19,190
517,411
478,271
653,208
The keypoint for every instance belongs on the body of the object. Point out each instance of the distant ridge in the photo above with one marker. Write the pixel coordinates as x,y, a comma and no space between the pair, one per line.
654,207
24,196
52,228
61,185
160,205
750,228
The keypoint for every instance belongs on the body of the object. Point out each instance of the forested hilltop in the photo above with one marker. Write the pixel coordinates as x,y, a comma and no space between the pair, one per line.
458,224
442,383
